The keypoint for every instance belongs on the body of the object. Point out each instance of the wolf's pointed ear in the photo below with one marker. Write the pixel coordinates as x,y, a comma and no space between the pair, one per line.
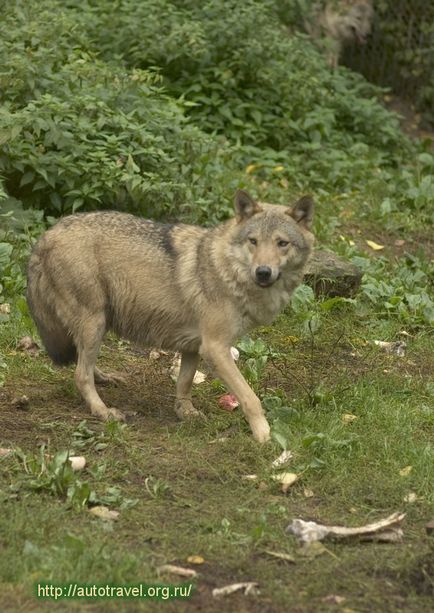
302,211
245,206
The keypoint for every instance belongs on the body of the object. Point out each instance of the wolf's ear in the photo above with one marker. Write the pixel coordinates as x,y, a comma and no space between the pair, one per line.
245,206
302,211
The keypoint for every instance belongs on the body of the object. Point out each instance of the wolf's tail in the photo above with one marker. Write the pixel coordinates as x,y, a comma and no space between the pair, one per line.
55,336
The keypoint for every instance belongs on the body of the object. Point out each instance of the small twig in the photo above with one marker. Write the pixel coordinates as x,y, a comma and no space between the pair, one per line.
328,356
312,353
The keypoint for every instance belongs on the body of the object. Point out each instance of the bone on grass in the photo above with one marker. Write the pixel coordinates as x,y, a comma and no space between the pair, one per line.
309,531
249,587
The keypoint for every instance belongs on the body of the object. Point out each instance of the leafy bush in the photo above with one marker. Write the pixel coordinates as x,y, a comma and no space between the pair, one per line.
155,107
248,78
18,230
76,132
290,120
412,190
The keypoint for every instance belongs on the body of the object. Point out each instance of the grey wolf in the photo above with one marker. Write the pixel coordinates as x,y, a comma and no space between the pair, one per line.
179,287
335,23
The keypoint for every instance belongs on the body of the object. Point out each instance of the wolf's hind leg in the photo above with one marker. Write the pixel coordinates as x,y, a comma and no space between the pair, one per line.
103,377
91,334
183,405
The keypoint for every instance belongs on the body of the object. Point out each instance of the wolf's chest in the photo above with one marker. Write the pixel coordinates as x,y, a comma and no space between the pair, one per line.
265,306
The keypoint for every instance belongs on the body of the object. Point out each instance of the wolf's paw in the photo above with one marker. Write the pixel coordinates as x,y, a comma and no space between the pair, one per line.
115,414
106,378
260,430
185,410
108,413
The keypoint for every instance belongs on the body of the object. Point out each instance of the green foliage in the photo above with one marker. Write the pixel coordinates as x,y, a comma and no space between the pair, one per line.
256,354
412,190
18,229
54,475
400,48
156,488
76,132
84,438
407,293
248,79
101,112
3,370
403,291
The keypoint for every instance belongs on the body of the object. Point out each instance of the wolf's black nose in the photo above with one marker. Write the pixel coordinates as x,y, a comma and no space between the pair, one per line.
263,274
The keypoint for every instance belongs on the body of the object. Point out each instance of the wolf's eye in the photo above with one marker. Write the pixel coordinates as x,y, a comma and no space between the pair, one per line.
283,243
253,241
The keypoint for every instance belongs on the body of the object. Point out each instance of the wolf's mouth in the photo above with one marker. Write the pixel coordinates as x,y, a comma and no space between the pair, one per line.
268,283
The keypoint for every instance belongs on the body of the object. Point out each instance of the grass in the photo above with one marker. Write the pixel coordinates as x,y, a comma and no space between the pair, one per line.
180,488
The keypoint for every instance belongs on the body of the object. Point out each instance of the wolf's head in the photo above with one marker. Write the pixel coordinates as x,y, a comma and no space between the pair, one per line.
272,239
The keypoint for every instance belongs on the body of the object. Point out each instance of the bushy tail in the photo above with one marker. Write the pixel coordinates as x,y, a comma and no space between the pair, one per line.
56,338
59,345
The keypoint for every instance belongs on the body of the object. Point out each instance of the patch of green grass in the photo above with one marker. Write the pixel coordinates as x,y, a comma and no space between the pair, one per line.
188,478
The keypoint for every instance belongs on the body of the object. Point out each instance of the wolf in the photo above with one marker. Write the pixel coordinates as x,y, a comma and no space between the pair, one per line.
177,287
335,23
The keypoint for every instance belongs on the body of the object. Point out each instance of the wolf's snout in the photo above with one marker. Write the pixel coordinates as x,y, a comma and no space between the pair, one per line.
263,275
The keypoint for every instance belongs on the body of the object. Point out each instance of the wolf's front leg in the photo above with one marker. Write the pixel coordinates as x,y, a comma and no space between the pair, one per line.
219,356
